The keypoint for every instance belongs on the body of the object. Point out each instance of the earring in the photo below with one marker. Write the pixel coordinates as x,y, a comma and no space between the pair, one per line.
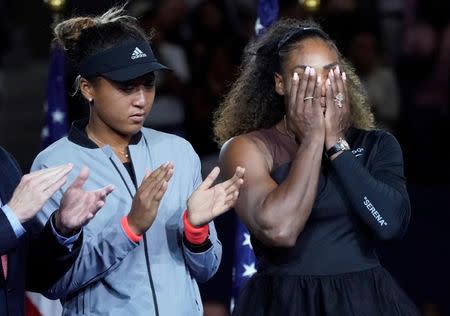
91,101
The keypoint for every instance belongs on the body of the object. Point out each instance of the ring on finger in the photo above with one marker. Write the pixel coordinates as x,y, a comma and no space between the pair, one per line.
308,98
338,98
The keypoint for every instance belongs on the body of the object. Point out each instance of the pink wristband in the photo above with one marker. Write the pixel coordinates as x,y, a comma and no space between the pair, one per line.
195,235
130,234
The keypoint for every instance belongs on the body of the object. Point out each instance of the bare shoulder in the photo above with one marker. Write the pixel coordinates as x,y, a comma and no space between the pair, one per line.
247,151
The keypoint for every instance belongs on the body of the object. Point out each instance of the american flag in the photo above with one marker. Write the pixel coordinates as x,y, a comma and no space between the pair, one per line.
244,258
55,127
55,107
244,265
267,14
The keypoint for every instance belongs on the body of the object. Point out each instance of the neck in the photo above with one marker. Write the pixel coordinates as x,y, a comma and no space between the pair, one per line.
106,136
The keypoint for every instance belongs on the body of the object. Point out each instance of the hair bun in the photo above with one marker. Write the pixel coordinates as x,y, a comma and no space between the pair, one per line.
69,31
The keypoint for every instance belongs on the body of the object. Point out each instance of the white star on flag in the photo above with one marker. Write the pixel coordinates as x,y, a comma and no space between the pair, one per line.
58,116
45,133
258,26
249,270
247,241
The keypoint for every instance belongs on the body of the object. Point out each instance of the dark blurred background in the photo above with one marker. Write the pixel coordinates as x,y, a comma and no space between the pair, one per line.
400,48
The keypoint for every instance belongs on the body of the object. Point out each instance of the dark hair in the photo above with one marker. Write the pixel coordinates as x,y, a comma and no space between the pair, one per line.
252,103
83,37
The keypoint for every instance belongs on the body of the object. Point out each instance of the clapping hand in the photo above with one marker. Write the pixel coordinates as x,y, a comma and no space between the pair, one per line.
208,202
78,206
35,189
148,197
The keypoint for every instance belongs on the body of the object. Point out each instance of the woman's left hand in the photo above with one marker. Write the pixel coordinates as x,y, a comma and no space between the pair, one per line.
208,202
337,107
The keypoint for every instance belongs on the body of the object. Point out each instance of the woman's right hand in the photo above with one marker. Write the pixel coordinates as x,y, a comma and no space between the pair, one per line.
147,198
304,113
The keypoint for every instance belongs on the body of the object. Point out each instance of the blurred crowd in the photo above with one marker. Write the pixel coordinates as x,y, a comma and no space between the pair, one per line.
400,49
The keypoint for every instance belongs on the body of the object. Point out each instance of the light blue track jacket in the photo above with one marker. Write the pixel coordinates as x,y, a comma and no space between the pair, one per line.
111,276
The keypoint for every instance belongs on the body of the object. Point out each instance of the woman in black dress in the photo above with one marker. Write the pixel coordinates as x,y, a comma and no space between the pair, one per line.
322,185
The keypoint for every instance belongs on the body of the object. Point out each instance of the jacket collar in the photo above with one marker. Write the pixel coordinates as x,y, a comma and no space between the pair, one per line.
77,135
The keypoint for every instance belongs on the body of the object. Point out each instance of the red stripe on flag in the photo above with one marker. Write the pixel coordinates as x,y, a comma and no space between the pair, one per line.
30,309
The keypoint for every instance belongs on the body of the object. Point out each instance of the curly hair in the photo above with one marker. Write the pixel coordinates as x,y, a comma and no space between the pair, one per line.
252,102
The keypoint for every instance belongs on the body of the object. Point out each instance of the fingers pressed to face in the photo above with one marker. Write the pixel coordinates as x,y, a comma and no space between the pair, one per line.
334,87
344,83
306,97
301,91
318,92
294,89
304,80
329,98
339,81
309,93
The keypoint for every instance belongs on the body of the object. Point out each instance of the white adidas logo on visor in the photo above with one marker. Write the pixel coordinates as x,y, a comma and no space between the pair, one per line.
137,53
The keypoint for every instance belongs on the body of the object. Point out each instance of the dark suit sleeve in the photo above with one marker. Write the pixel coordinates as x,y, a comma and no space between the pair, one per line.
10,174
8,238
377,194
48,260
38,250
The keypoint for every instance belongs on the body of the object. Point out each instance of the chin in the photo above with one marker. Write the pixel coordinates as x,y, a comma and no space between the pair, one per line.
135,129
132,130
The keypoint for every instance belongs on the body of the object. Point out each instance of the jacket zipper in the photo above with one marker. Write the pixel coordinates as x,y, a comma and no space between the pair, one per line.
147,258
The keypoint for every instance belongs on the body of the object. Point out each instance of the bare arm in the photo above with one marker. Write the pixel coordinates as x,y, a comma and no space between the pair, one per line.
276,214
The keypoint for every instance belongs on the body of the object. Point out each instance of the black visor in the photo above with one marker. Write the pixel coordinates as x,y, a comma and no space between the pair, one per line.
122,63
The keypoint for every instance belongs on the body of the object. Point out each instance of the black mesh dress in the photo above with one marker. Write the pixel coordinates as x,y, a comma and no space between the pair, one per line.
333,268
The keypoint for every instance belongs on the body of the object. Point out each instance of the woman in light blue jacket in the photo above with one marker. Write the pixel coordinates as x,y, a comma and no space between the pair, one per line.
144,253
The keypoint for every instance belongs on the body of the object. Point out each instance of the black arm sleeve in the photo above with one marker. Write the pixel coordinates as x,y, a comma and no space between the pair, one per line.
48,260
377,193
